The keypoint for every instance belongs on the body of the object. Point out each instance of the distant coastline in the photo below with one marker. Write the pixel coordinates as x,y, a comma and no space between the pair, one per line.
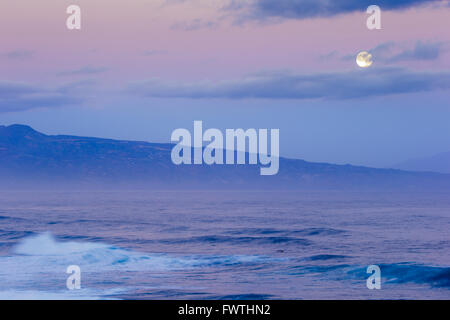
30,159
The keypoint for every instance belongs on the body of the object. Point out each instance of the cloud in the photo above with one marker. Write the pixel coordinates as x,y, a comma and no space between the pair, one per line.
18,54
421,51
303,9
88,70
391,52
195,24
16,96
287,85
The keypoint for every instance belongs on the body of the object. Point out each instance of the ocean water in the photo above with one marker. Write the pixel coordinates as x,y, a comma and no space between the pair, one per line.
224,245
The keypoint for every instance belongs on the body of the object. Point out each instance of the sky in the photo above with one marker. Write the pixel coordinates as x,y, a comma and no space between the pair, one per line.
139,69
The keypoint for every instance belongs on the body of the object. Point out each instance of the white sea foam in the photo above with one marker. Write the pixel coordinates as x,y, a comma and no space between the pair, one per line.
39,262
45,244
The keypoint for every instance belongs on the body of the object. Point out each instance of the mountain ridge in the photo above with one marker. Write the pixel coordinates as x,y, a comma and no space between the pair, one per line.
29,158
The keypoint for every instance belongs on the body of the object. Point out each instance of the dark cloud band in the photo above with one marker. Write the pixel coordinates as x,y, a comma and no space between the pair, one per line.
286,85
21,96
303,9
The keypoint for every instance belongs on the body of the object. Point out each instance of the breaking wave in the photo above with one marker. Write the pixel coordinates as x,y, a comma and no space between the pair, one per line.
402,273
38,259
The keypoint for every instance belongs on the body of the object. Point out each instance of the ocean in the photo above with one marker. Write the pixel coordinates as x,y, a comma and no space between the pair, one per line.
224,245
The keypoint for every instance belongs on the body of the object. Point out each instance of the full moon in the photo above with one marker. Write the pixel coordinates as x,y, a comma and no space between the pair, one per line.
364,59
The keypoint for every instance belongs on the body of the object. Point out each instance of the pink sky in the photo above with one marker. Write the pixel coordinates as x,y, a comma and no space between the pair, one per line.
117,36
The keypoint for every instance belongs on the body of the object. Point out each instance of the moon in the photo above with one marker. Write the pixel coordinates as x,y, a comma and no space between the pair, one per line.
364,59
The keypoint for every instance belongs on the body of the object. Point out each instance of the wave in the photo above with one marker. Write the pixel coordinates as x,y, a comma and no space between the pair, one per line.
266,240
40,261
324,257
314,231
408,272
47,248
